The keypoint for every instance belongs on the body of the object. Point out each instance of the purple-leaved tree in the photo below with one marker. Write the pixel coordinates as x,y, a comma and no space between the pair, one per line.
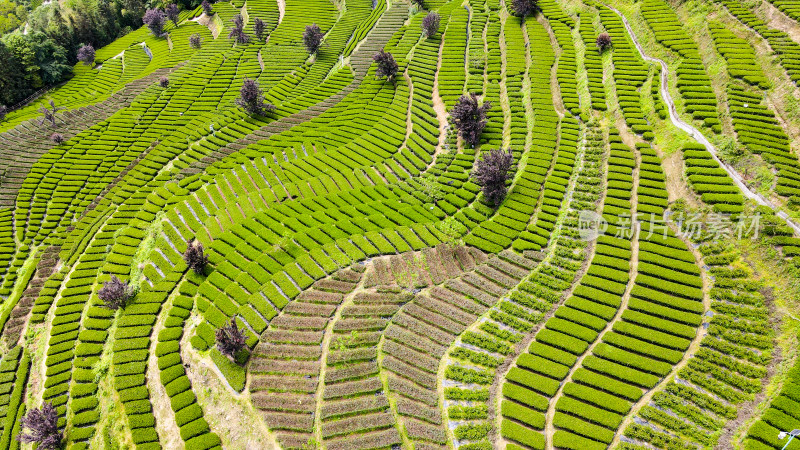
58,138
525,8
230,339
163,82
42,426
195,41
172,12
237,32
312,38
115,293
603,42
387,66
207,8
3,112
430,24
259,28
155,19
491,173
195,257
469,118
86,54
251,99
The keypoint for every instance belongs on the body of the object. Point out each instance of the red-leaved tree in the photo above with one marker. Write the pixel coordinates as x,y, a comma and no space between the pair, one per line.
115,293
312,38
86,54
195,257
387,66
603,42
155,19
230,339
172,12
259,27
207,8
430,24
237,32
195,41
525,8
42,426
251,99
469,118
491,173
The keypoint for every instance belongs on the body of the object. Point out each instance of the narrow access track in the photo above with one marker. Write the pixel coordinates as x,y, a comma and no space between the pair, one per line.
695,133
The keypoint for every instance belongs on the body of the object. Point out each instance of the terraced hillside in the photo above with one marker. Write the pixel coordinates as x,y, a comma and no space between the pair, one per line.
635,286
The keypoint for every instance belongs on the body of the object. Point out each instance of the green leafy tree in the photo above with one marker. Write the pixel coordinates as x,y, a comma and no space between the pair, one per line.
12,16
13,82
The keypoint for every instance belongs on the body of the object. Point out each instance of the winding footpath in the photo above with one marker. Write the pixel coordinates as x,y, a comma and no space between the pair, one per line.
695,133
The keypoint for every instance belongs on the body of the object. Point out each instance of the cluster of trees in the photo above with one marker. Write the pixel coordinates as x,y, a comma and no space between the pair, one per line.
12,15
44,53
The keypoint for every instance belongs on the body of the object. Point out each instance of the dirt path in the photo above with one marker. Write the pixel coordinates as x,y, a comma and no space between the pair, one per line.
230,415
281,10
504,102
555,88
676,185
208,22
549,429
777,19
696,134
693,347
169,435
326,346
409,113
438,104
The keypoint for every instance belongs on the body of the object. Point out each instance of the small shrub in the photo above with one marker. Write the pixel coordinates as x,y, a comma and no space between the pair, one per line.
86,54
430,24
491,174
603,42
524,8
43,428
312,38
172,12
58,138
163,82
195,257
470,118
237,32
230,339
259,27
155,19
251,99
195,41
207,8
387,66
115,293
